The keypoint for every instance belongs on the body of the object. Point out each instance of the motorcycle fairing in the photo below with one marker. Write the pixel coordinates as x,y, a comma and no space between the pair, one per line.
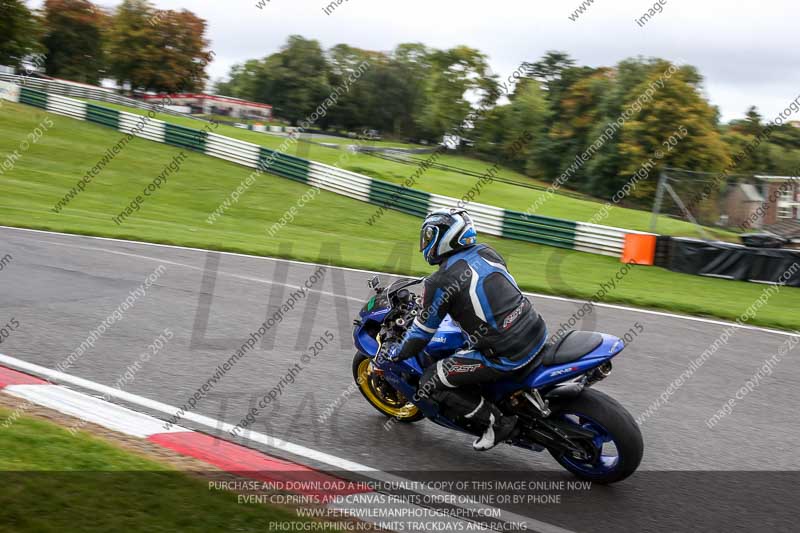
448,339
546,376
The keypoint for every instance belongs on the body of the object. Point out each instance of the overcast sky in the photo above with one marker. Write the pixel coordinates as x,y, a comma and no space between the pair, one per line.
748,52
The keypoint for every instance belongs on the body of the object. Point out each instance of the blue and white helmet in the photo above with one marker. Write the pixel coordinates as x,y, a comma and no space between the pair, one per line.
445,231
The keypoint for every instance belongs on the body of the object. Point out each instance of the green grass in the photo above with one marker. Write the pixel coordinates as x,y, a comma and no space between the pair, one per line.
331,227
456,185
53,481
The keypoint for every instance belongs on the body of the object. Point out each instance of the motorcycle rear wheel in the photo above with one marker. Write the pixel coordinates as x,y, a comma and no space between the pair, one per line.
618,445
380,394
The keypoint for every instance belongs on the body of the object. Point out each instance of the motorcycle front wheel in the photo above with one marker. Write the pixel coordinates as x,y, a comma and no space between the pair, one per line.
380,394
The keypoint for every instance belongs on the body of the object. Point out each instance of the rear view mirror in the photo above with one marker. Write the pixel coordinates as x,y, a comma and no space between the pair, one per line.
374,283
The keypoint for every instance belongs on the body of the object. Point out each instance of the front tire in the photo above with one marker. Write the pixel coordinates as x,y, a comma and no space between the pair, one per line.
618,446
380,394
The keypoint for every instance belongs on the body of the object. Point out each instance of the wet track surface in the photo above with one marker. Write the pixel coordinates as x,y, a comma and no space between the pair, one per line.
60,288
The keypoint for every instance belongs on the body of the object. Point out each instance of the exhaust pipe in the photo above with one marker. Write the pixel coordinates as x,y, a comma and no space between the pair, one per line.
599,373
574,388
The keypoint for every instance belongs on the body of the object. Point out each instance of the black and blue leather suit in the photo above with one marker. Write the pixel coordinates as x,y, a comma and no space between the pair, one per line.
475,288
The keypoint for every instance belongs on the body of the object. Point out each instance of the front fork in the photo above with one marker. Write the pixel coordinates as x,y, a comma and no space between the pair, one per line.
394,374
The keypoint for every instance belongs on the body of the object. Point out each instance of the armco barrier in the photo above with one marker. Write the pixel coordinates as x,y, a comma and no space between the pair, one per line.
537,229
58,87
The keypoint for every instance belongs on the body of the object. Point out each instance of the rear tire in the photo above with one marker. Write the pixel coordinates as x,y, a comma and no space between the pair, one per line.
380,394
602,413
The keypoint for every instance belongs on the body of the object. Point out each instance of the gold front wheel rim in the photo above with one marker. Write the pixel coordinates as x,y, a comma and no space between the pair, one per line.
401,412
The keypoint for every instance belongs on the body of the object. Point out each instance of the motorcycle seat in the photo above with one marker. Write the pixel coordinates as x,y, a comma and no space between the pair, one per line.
570,347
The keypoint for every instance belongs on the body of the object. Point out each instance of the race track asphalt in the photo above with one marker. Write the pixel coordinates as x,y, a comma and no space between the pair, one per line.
61,287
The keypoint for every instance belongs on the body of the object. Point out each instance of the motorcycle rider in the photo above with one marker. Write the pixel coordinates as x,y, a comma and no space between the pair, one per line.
475,288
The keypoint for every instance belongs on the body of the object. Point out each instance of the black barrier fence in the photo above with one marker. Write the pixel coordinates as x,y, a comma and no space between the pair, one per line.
729,261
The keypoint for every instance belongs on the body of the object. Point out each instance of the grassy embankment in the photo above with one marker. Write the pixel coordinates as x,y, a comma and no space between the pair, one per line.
53,481
453,184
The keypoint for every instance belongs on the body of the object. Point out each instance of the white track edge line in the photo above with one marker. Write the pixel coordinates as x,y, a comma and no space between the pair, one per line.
171,411
92,410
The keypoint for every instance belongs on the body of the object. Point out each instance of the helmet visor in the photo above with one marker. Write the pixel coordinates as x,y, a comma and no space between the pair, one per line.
427,234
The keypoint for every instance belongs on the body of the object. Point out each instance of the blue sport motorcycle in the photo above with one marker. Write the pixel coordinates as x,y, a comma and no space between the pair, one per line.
589,433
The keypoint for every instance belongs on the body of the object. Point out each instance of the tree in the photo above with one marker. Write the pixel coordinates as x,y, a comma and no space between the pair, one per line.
514,133
752,123
389,97
526,118
411,63
157,50
565,108
573,117
243,80
73,40
295,80
783,161
132,51
678,112
786,136
550,68
490,132
742,134
602,173
353,108
454,74
180,38
18,32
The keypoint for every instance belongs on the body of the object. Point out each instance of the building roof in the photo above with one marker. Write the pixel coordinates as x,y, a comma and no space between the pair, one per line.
751,193
788,229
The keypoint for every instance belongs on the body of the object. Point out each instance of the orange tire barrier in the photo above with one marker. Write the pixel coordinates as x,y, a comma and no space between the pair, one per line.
639,248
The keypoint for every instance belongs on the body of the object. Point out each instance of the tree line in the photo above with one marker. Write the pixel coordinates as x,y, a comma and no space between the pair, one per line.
139,46
592,128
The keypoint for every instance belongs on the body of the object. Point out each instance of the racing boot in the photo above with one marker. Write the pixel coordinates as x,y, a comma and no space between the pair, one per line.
499,428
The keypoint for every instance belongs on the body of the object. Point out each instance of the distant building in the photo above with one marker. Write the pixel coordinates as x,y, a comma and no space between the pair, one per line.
769,201
211,104
742,206
781,207
782,197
